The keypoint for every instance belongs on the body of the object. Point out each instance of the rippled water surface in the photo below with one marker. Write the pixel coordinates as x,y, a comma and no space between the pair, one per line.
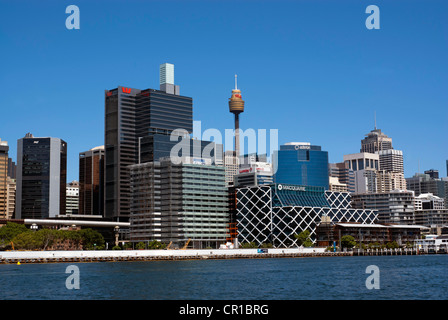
400,277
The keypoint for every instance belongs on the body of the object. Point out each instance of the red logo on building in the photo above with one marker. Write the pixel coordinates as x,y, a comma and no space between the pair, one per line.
126,90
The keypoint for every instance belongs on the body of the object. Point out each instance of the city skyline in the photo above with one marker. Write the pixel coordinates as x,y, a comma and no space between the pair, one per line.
328,68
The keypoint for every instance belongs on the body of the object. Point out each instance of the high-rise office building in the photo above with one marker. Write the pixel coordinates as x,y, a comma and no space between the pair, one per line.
301,164
375,141
4,148
91,182
388,181
254,173
179,203
365,167
231,165
167,79
72,198
344,176
423,183
391,160
433,173
10,198
11,169
130,115
157,146
41,177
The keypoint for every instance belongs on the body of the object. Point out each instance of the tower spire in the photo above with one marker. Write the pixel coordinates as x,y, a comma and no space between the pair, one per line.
236,106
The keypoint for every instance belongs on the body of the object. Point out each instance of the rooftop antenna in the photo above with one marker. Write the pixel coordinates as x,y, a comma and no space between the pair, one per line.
236,81
375,118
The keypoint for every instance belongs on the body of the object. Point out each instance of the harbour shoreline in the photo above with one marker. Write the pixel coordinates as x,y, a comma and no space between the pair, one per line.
19,257
12,257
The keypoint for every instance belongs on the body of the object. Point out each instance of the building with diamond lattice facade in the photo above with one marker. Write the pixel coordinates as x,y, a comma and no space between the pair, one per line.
275,213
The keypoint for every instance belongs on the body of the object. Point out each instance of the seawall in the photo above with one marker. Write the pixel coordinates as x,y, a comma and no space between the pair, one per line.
8,257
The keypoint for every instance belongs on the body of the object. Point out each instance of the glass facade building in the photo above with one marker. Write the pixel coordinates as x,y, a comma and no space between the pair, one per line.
91,182
130,115
275,213
179,203
158,146
301,164
41,177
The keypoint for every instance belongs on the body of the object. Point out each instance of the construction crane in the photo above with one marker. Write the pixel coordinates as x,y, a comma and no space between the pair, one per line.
186,245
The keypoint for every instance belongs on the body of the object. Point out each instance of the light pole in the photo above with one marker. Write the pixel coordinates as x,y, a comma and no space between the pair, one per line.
116,229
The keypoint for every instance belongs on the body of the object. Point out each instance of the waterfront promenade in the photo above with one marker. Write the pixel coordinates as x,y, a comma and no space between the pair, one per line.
155,255
9,257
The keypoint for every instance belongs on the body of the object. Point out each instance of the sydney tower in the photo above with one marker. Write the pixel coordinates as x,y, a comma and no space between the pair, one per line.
236,106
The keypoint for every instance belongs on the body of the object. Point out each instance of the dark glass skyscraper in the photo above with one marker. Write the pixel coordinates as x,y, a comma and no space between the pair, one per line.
91,182
130,115
301,164
41,177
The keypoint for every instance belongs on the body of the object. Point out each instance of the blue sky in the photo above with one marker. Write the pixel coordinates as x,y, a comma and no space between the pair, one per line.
310,69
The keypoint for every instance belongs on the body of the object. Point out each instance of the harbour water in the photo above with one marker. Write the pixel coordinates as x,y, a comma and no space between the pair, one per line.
422,277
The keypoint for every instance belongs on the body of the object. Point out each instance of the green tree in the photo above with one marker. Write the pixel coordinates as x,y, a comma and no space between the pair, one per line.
46,237
140,246
348,242
155,245
91,239
27,241
9,231
304,239
392,245
248,245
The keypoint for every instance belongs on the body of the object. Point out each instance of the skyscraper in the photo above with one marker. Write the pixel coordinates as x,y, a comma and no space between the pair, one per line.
375,141
167,79
72,198
131,114
365,167
423,183
236,106
4,148
231,164
391,160
343,174
301,163
91,182
391,175
41,177
177,202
